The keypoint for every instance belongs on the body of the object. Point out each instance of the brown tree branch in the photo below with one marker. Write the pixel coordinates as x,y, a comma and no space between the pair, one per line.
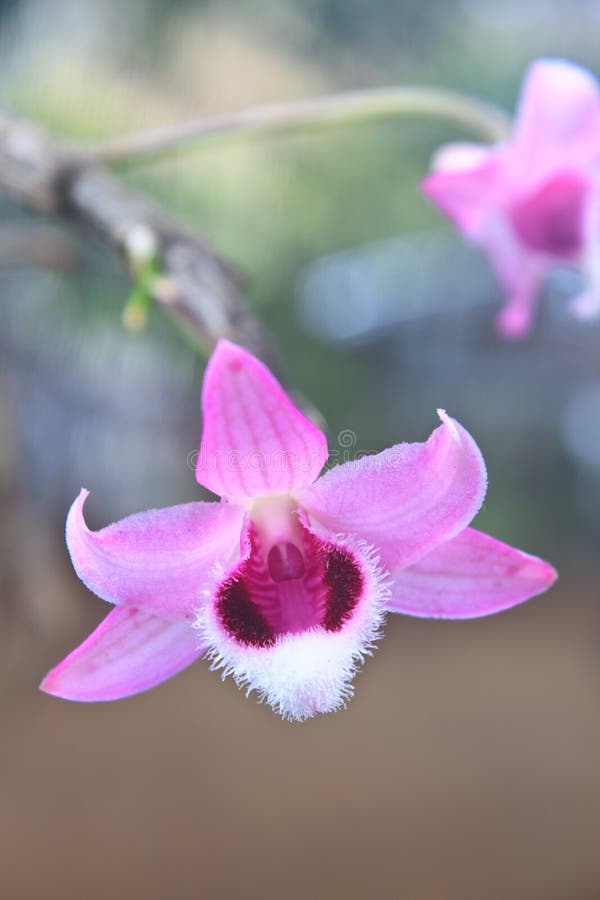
55,178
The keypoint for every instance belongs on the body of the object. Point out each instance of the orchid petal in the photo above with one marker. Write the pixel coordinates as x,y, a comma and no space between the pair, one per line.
471,575
465,195
129,652
254,440
158,560
459,156
406,500
519,271
515,320
558,119
587,304
468,198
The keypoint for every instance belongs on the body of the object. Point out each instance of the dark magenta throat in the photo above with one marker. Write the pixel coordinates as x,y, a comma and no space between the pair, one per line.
551,219
300,585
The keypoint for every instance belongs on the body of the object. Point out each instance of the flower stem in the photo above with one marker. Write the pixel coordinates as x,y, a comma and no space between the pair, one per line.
484,120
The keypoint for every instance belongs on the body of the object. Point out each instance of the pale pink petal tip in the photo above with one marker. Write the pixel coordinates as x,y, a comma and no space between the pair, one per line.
472,575
558,118
463,193
254,440
514,323
586,305
130,651
459,157
559,94
157,560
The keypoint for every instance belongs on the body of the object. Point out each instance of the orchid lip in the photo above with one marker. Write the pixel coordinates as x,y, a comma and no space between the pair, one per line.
285,562
298,643
298,614
550,220
289,581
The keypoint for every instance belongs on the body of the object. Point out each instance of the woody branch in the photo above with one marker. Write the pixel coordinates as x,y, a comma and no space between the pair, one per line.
55,178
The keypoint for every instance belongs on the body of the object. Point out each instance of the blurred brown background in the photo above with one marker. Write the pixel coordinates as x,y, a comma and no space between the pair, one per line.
467,766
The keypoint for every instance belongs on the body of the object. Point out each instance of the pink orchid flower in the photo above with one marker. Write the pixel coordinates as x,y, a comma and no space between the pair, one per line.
532,202
286,581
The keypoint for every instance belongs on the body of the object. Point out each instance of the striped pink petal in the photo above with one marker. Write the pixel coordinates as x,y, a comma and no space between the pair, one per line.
254,440
465,193
558,120
471,575
406,500
159,560
129,652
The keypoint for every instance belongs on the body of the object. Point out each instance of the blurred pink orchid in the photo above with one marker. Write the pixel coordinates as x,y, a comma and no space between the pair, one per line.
285,582
532,202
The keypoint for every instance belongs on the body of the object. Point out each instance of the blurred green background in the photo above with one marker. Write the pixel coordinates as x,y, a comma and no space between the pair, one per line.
467,765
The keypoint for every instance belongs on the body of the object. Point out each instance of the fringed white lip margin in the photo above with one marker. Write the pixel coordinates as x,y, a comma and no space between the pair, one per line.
303,674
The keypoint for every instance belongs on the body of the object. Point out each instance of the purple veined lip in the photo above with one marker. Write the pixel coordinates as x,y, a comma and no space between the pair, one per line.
293,590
